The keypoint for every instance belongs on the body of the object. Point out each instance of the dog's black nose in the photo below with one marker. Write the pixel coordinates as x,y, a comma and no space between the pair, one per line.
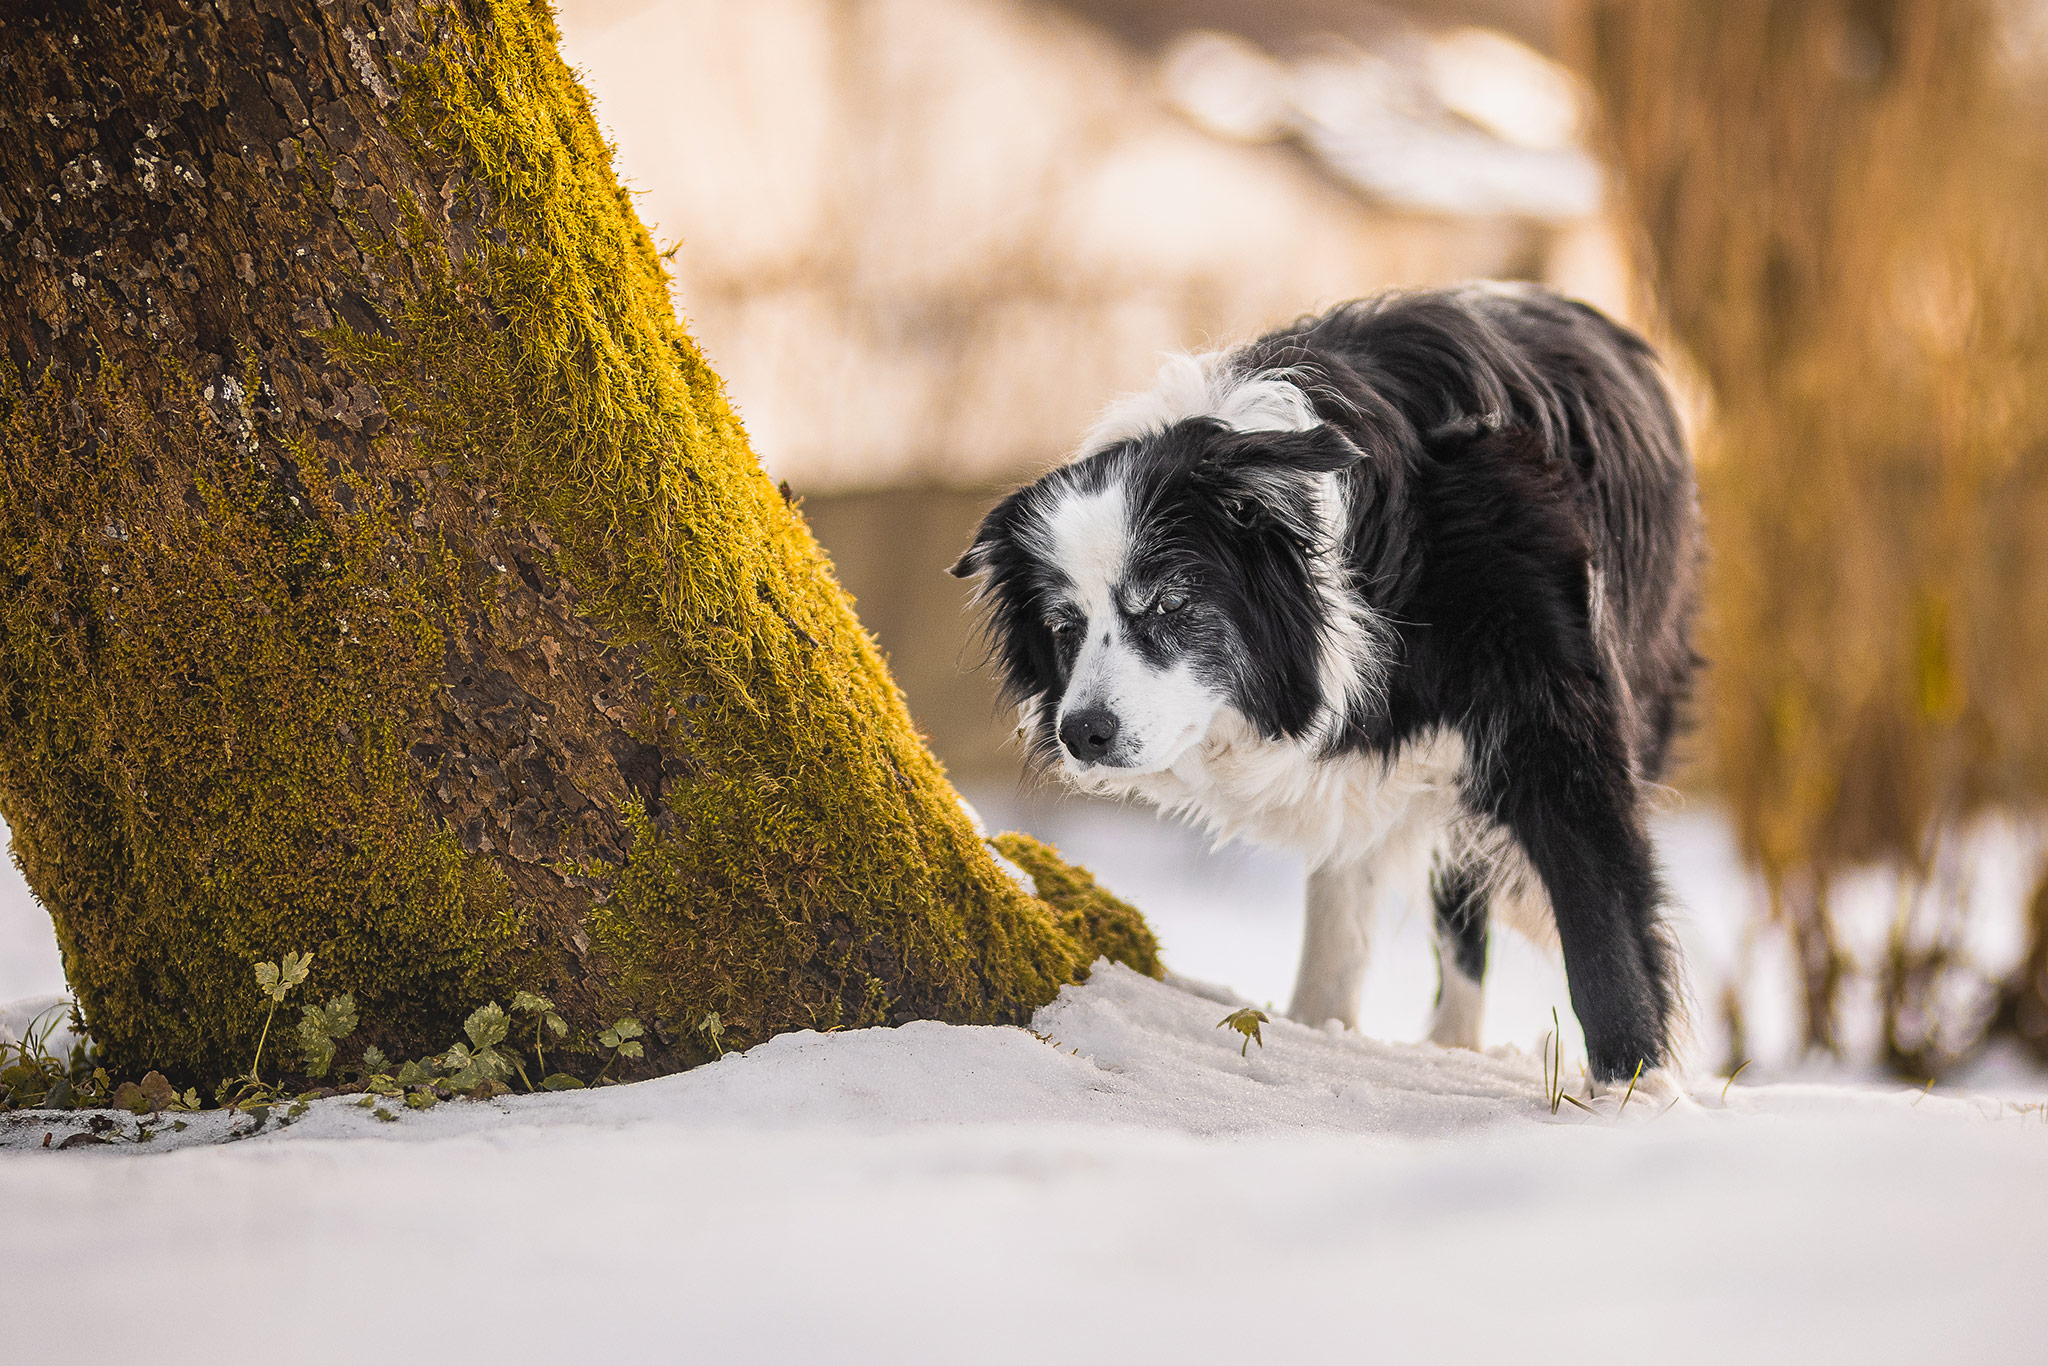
1087,733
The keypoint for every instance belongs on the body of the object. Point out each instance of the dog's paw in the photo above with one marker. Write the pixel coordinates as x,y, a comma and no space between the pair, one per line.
1645,1097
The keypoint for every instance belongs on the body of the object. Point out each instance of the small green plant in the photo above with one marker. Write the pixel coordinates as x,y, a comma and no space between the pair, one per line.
544,1017
319,1029
480,1065
274,981
1246,1021
32,1075
713,1029
623,1039
481,1062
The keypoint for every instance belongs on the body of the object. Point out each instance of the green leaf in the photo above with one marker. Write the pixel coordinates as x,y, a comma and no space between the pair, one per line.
320,1026
561,1081
419,1100
341,1016
527,1003
557,1026
1246,1022
294,970
486,1026
385,1115
415,1073
629,1050
616,1036
266,979
374,1059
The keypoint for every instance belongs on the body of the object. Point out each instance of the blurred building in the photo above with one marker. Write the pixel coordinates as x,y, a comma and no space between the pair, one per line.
924,240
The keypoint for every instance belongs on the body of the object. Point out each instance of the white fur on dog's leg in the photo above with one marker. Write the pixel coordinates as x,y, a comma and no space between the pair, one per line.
1460,1011
1657,1091
1336,947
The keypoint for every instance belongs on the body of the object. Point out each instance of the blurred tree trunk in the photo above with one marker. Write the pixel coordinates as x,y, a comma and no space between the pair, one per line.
2023,1006
383,573
1837,209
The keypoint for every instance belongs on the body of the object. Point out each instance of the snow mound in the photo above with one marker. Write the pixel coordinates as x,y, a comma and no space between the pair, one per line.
1119,1185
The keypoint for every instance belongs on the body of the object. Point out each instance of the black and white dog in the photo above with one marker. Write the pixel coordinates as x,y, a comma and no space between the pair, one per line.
1409,582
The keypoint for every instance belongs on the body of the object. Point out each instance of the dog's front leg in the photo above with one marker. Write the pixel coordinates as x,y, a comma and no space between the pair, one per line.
1569,799
1336,947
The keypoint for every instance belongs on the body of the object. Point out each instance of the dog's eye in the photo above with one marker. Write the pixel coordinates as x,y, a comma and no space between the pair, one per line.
1170,601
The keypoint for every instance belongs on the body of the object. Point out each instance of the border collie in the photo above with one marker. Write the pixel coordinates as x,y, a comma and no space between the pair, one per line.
1408,583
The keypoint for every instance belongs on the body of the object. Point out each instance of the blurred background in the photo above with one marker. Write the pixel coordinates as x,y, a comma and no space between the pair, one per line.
924,240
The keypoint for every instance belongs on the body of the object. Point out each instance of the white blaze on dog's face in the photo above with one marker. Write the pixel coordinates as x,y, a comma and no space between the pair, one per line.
1133,700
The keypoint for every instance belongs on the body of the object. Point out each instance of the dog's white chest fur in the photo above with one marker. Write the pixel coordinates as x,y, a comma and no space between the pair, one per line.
1338,810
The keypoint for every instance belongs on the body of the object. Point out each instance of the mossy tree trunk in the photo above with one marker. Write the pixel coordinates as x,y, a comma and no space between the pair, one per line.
384,574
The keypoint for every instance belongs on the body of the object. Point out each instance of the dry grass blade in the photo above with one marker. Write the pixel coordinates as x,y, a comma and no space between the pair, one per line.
1731,1080
1630,1093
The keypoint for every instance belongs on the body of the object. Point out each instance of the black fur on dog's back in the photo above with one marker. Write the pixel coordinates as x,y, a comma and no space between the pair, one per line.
1520,520
1512,432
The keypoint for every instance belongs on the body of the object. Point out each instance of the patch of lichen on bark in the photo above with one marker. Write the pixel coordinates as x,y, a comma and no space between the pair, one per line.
1113,927
809,866
204,692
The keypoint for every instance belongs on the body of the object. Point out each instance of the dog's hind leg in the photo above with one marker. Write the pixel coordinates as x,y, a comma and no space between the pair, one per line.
1458,887
1335,948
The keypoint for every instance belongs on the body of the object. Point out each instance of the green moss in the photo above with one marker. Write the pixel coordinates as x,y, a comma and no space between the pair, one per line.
1108,927
208,697
816,869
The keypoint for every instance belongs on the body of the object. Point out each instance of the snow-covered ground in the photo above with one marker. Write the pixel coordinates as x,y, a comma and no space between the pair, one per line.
1126,1188
1123,1186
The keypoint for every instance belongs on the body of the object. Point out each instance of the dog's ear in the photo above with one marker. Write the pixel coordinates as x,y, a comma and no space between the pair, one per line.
1265,477
1321,449
995,528
970,562
1277,460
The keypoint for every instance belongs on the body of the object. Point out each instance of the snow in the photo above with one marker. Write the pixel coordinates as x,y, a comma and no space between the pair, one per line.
1120,1184
1126,1187
29,962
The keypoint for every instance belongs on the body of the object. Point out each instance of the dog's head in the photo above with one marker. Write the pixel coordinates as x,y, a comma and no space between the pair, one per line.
1136,593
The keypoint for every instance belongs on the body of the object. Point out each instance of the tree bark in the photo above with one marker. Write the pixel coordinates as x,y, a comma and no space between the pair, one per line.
384,574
